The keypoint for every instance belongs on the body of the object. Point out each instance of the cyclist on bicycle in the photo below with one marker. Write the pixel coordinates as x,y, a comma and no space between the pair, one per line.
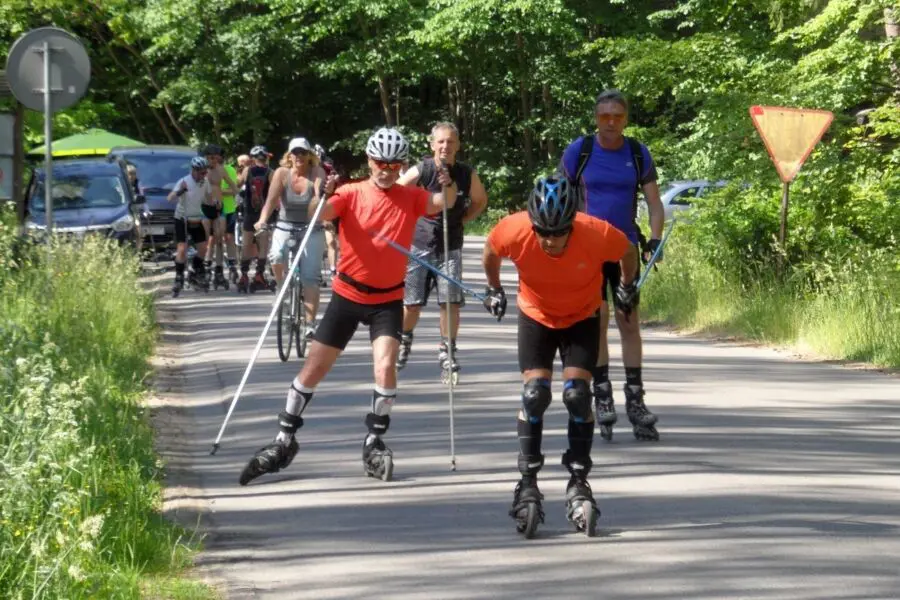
295,184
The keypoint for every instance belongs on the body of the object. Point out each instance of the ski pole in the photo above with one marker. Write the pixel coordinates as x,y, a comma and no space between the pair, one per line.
656,254
450,338
436,271
265,331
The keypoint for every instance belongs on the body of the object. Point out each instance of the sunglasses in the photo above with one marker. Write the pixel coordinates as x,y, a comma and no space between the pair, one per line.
615,118
300,152
388,166
546,233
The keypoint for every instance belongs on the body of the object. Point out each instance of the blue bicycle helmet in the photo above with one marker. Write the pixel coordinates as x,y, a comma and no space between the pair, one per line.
552,204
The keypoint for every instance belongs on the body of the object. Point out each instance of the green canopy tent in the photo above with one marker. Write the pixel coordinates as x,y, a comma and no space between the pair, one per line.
93,142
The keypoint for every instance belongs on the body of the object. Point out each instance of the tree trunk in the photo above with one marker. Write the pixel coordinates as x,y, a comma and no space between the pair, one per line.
148,68
397,106
548,119
384,91
137,122
891,32
451,98
464,107
527,138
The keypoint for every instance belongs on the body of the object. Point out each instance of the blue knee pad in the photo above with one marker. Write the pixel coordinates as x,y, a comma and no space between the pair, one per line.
577,398
536,398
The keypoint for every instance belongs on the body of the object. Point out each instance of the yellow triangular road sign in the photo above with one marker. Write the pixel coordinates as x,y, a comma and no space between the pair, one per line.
790,134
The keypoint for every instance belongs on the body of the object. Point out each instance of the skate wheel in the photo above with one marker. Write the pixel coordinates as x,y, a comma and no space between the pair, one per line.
646,434
532,517
388,468
606,432
590,514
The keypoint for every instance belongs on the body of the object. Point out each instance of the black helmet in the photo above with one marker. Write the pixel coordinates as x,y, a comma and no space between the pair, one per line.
213,150
552,204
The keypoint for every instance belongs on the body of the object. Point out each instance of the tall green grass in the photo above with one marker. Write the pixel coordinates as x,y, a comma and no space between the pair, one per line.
80,492
849,313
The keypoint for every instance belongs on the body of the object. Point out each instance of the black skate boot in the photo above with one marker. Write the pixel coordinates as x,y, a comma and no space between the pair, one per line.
581,509
277,455
219,279
643,422
526,506
243,284
605,409
378,460
179,285
259,283
406,340
449,365
232,272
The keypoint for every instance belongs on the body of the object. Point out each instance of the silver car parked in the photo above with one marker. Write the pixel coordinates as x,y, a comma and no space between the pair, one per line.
677,196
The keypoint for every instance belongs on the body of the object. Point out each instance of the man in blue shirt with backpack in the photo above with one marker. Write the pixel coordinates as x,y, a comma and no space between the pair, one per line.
611,169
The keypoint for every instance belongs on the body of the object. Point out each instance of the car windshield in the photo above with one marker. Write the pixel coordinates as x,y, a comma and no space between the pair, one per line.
668,188
76,191
160,172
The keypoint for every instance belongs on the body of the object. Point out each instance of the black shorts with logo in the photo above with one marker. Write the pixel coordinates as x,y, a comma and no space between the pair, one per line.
343,316
194,229
578,344
612,275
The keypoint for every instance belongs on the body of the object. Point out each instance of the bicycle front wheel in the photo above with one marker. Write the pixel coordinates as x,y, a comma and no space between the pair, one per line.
285,334
300,321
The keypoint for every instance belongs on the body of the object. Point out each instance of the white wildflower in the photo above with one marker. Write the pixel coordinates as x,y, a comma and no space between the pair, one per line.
76,573
92,526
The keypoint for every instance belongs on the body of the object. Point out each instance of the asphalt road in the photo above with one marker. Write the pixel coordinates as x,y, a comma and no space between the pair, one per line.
774,477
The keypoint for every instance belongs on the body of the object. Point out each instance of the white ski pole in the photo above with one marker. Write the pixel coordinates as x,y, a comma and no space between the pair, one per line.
450,338
265,331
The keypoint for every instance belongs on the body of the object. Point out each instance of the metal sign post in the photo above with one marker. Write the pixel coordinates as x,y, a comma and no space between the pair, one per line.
48,70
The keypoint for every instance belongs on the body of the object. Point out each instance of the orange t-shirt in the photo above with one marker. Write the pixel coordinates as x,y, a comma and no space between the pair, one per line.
559,291
364,210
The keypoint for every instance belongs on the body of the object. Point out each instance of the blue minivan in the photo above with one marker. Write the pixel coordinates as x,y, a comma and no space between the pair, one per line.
88,195
158,170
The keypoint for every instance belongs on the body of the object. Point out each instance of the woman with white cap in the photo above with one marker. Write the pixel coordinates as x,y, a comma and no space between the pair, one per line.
295,185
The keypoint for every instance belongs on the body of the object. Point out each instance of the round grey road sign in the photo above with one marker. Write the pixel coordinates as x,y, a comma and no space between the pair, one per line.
70,68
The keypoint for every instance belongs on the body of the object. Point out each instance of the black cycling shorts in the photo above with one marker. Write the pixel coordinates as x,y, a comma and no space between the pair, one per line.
578,344
194,229
612,276
250,219
210,211
343,316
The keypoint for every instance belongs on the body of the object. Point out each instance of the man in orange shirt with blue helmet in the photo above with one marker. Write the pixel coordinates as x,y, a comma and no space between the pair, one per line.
559,253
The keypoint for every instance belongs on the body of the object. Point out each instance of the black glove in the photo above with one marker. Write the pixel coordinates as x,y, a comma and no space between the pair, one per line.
495,301
652,245
628,296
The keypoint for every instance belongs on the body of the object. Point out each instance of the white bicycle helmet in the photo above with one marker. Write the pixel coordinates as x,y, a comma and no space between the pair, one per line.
388,145
320,151
198,162
259,152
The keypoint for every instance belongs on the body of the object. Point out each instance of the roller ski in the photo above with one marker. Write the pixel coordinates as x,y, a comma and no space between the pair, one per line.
199,282
527,510
259,283
581,509
219,280
179,285
643,422
233,274
270,459
449,365
378,459
604,409
406,340
243,284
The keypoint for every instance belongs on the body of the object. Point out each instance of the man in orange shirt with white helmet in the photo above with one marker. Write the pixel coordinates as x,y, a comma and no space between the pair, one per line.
559,253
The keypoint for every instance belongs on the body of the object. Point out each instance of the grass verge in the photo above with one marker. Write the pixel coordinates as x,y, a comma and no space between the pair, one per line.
854,314
80,492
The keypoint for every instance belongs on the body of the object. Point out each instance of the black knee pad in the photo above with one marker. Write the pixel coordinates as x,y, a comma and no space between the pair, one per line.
536,398
378,424
289,423
530,464
577,398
